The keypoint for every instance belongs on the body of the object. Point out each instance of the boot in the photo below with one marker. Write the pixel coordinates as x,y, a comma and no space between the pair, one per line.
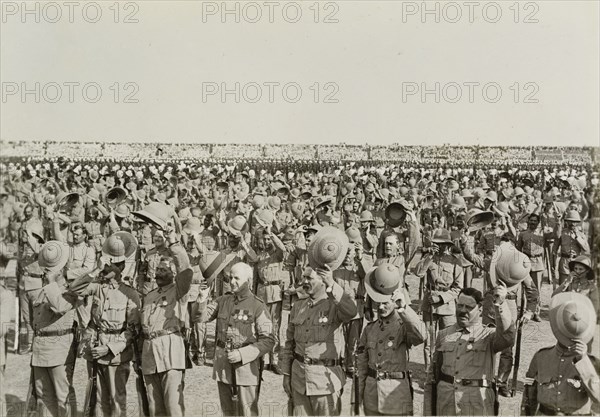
25,340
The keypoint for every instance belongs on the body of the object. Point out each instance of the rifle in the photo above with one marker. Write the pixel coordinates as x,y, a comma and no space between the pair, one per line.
261,367
235,399
31,401
518,345
356,388
432,363
139,381
91,392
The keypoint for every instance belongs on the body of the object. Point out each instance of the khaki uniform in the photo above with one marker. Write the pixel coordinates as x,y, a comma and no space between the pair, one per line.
313,348
164,315
95,236
115,320
464,383
53,350
243,320
532,244
443,276
560,385
384,378
82,258
571,244
29,277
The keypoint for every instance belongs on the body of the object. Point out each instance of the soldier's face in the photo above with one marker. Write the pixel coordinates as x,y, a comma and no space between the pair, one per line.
78,235
239,279
158,240
579,269
533,222
467,311
164,274
308,238
391,246
387,308
312,284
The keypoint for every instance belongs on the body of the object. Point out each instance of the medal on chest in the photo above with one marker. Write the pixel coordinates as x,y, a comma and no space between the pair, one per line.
323,318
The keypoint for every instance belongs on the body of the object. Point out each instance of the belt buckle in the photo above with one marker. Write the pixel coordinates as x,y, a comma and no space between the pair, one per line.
307,360
381,375
457,380
466,382
152,335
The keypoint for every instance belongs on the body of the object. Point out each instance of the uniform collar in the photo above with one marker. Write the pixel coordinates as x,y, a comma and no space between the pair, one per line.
563,351
243,294
387,320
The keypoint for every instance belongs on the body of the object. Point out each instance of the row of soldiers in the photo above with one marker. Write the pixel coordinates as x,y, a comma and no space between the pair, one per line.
233,257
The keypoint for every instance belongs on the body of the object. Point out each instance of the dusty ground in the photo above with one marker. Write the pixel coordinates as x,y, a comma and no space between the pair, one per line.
201,396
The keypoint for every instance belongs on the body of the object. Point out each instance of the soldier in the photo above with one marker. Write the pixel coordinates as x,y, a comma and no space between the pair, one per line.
572,242
350,277
384,378
164,315
463,362
146,277
269,265
310,361
114,322
443,276
563,379
29,278
532,242
512,267
243,336
54,345
82,256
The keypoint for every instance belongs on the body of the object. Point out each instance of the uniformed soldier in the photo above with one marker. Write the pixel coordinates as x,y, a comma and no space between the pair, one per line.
29,277
511,267
532,242
82,257
572,242
463,362
269,265
350,277
297,260
384,378
244,335
164,316
311,359
114,322
146,277
54,346
563,379
443,275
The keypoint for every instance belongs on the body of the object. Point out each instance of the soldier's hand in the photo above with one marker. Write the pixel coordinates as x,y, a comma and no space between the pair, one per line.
579,348
234,356
398,298
499,293
526,317
287,385
99,351
326,275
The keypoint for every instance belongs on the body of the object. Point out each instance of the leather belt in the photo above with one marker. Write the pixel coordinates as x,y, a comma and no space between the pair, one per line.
159,333
276,282
387,375
109,331
311,361
484,383
534,256
53,333
547,411
196,281
223,345
27,274
511,296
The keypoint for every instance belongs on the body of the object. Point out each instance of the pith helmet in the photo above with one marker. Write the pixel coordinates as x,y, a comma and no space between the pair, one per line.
382,281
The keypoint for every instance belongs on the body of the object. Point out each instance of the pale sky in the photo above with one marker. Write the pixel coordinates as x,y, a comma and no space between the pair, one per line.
375,61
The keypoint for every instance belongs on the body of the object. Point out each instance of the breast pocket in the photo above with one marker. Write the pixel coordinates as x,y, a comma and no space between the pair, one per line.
116,311
477,354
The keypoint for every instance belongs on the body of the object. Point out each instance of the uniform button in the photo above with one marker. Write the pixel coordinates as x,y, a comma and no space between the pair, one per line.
558,392
560,376
379,354
456,373
562,360
381,341
458,357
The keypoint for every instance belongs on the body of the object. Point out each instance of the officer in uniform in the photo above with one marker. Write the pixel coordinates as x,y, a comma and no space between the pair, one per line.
463,362
572,242
54,345
310,361
443,276
244,335
384,377
512,268
146,278
164,316
82,257
29,278
114,323
269,265
563,379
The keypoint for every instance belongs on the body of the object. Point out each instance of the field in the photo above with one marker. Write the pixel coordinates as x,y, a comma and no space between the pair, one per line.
201,396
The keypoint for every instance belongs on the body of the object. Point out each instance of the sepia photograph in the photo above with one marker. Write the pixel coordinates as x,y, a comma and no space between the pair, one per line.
299,208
